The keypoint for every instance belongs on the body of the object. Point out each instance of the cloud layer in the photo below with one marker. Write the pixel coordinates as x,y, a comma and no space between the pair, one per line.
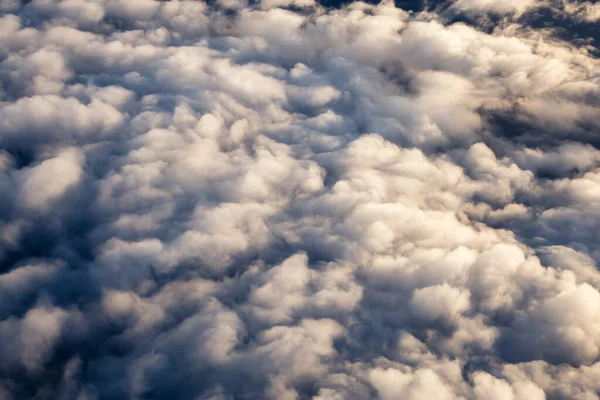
283,200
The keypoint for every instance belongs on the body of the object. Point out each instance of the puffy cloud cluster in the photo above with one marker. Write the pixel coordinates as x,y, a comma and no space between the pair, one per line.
280,200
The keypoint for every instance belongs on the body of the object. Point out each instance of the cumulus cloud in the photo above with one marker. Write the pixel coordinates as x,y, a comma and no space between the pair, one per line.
290,200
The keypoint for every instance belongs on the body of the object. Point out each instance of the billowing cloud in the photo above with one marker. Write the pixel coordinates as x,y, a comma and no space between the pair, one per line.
290,200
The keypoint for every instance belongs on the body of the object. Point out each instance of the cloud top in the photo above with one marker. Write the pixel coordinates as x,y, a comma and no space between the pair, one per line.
284,200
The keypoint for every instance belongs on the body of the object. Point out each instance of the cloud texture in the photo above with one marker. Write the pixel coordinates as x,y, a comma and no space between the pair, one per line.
282,200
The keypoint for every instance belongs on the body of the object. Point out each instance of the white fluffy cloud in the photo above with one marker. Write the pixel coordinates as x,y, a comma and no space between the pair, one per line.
282,200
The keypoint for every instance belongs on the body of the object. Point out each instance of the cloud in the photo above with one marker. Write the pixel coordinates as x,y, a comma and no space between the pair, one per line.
284,200
488,6
47,182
